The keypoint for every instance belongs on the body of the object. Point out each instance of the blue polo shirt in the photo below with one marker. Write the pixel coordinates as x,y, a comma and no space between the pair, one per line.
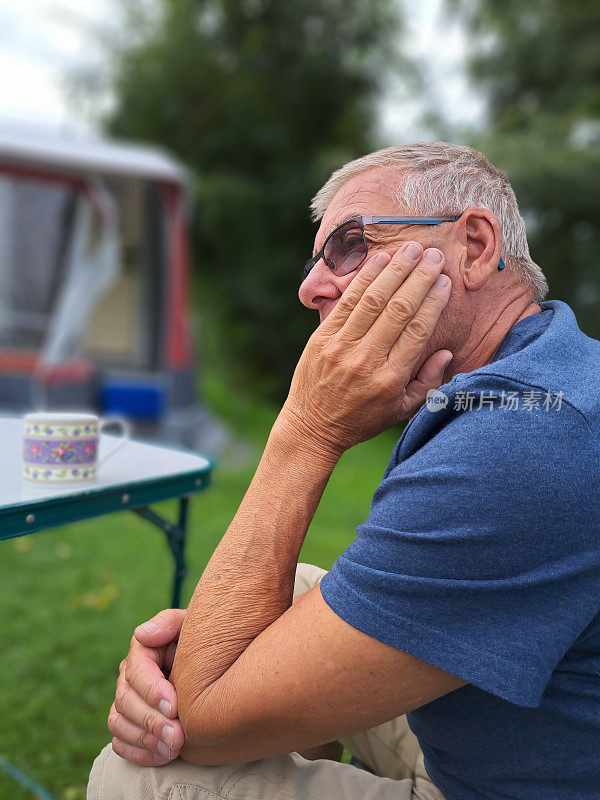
481,556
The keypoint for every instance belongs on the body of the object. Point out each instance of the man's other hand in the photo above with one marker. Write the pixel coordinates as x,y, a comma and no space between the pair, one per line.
143,718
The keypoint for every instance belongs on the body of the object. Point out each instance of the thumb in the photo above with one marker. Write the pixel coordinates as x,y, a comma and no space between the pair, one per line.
162,628
430,376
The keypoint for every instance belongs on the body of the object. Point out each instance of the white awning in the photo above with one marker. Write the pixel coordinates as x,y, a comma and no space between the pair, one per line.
78,155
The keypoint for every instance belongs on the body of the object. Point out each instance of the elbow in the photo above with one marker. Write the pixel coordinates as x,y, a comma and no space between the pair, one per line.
215,731
202,728
194,713
204,720
216,735
213,736
209,740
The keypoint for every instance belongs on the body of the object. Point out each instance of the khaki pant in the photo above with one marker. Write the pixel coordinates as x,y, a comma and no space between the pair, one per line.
391,750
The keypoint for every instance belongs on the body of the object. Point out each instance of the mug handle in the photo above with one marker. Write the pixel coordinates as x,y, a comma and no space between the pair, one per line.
126,432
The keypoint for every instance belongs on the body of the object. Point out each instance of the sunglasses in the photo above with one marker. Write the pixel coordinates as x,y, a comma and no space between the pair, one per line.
346,247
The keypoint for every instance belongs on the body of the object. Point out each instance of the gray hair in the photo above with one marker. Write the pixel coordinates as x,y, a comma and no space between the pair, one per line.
443,179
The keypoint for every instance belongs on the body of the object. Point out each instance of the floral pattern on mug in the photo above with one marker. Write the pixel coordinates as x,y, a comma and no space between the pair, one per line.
63,431
60,475
43,451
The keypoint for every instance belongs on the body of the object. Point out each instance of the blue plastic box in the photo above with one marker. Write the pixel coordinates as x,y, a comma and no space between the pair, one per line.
142,399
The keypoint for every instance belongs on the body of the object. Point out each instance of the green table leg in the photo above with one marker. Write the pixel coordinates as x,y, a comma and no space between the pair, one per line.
176,539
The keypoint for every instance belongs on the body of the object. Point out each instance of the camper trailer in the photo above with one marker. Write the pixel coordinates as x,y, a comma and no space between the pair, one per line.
94,284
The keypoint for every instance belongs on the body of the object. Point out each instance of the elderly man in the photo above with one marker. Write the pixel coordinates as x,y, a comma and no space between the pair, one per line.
470,597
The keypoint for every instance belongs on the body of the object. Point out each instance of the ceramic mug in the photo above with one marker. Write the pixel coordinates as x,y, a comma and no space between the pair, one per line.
63,448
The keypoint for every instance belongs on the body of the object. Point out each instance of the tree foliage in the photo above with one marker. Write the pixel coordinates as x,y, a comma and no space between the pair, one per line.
262,99
539,66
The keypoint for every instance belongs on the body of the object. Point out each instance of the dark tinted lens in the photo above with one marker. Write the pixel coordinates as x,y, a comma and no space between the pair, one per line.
306,269
345,249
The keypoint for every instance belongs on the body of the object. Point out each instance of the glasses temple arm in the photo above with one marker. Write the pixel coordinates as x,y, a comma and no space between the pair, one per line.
373,220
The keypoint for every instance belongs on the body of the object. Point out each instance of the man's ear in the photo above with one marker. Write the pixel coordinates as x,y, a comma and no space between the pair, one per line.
481,244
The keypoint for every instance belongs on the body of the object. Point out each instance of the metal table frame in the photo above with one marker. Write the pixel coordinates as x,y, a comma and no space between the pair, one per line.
176,539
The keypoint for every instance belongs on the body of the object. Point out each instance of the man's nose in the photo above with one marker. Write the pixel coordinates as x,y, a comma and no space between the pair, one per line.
319,286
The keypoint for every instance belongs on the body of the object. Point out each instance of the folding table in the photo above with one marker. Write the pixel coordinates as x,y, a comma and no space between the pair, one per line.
136,477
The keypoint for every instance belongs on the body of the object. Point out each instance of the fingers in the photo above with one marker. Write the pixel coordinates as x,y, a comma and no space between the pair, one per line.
347,302
407,271
161,629
129,733
133,721
417,331
430,376
164,749
137,755
142,670
398,299
143,718
170,656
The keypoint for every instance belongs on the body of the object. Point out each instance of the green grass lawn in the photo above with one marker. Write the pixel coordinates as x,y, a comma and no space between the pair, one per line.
71,597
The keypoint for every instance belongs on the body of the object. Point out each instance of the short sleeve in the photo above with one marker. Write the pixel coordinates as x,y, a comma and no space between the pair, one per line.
480,554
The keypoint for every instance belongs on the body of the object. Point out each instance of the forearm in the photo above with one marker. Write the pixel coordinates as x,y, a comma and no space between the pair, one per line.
249,580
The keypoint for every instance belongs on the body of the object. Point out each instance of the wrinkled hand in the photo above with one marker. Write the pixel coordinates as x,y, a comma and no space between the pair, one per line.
353,379
143,718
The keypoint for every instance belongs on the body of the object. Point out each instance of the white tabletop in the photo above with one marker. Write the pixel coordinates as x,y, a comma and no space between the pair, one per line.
135,464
